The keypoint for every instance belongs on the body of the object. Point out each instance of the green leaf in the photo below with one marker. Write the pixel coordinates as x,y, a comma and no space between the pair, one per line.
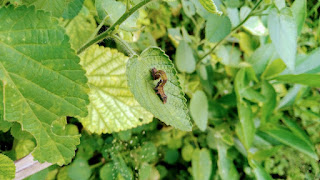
79,170
312,80
271,102
80,29
230,56
247,43
72,9
57,7
226,168
245,129
233,14
297,130
309,64
217,27
280,4
112,106
184,58
201,164
263,154
188,8
254,24
299,9
290,139
42,80
187,152
121,166
148,152
171,156
4,125
261,58
274,69
259,172
141,84
7,168
283,33
290,97
145,171
24,147
210,6
108,172
200,9
115,9
199,109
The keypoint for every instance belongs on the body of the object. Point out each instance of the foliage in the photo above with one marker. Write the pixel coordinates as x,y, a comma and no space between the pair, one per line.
241,79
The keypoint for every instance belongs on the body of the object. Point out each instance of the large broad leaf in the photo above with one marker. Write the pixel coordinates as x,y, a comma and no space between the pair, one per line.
290,139
80,29
4,125
72,9
174,112
7,168
42,80
66,8
201,164
283,33
199,109
112,106
217,27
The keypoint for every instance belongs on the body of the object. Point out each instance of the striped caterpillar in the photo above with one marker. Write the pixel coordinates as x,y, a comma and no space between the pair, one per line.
156,74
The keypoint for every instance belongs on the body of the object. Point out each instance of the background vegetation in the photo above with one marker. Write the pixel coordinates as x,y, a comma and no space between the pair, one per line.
243,97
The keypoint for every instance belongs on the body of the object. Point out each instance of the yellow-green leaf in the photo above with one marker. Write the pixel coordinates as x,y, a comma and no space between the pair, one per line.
210,6
112,106
7,168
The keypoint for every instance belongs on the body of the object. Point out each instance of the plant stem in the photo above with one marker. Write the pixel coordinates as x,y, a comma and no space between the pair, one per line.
233,30
124,44
125,16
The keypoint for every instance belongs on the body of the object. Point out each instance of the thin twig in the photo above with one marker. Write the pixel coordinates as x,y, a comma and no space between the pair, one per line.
233,30
108,32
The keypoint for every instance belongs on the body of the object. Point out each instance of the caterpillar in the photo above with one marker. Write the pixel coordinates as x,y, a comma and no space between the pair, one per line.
156,74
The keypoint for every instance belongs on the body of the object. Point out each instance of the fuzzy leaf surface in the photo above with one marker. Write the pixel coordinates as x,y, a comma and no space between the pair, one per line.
141,83
42,80
112,106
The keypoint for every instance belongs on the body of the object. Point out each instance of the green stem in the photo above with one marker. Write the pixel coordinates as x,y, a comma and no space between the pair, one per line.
233,30
103,35
124,44
99,27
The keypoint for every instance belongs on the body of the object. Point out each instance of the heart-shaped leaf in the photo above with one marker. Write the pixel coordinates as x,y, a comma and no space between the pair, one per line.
174,112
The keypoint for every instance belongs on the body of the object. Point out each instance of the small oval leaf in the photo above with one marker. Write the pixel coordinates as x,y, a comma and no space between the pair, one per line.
201,164
174,112
199,109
